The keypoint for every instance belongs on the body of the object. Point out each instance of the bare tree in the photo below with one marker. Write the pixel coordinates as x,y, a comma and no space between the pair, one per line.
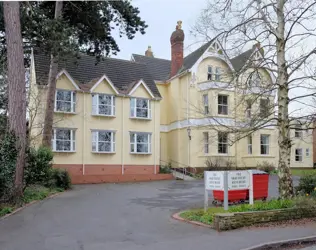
285,33
16,87
53,70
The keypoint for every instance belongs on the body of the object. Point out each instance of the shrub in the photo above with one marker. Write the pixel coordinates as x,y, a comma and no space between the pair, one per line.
219,163
266,167
165,169
59,178
39,164
307,184
8,155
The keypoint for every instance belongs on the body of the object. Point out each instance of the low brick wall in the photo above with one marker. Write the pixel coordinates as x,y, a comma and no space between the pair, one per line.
105,173
230,221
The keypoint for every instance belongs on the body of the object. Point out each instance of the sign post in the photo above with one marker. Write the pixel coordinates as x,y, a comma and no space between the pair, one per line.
225,181
250,187
226,190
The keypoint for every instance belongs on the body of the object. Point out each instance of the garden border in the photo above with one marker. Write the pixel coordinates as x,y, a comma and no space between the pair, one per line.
177,216
31,203
284,243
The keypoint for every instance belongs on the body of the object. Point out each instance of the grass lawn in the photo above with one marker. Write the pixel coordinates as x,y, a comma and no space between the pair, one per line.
31,193
302,172
207,217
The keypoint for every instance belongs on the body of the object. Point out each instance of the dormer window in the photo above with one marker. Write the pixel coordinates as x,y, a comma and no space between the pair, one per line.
209,73
140,108
217,74
65,101
103,104
254,79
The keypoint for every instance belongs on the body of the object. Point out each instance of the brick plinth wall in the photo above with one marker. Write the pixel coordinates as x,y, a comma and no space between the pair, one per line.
230,221
92,173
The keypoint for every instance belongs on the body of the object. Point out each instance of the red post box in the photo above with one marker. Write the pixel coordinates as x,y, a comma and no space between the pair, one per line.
260,185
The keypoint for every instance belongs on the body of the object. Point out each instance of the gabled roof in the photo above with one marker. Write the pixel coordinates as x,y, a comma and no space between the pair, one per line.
191,59
86,71
239,61
159,68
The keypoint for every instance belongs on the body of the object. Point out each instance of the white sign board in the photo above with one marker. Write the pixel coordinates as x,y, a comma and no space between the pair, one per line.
214,180
238,180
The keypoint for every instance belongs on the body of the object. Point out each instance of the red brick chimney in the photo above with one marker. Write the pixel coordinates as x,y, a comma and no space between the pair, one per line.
149,52
176,40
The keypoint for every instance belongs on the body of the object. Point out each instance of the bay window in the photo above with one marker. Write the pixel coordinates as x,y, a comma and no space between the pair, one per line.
264,144
217,74
222,142
65,101
140,143
103,104
205,104
140,108
222,104
298,154
103,141
63,140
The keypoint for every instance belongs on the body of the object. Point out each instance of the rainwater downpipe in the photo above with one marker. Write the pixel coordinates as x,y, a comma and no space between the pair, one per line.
84,133
122,134
188,123
154,111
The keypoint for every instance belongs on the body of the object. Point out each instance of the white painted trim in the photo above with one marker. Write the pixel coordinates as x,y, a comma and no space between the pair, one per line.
64,72
215,85
199,122
104,77
207,54
145,86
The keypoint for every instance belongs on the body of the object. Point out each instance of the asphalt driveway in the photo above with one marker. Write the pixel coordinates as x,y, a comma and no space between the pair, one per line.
125,216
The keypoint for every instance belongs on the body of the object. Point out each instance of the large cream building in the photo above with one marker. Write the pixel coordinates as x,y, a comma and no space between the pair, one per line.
119,120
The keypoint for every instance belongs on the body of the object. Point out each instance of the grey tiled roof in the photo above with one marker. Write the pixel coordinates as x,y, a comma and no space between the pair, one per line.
159,68
85,71
191,59
239,61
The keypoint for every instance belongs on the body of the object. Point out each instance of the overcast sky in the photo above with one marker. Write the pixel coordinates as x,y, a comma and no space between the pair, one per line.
161,17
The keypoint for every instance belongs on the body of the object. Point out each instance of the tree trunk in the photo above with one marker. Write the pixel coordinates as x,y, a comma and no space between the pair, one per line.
284,140
50,103
16,88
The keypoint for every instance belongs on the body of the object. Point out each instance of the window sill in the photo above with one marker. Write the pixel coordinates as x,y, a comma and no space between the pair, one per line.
64,112
256,156
140,153
103,152
110,116
58,151
141,118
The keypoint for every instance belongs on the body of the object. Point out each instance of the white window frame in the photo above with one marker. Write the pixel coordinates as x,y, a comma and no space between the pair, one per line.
72,101
209,73
95,141
249,144
298,132
299,155
217,74
133,108
224,144
135,143
267,145
307,153
96,105
248,109
72,140
206,142
205,104
222,105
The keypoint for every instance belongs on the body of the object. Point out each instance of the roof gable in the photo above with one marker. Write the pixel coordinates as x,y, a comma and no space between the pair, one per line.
139,84
72,81
104,78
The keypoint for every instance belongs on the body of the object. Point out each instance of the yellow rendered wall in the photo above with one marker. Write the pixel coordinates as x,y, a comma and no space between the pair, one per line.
83,122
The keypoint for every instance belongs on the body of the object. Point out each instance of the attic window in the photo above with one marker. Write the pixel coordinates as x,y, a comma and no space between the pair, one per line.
215,46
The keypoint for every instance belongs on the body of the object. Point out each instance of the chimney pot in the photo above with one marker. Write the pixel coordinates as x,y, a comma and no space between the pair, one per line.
176,40
149,52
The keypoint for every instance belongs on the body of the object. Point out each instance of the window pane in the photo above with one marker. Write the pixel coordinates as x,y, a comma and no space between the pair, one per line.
63,134
104,146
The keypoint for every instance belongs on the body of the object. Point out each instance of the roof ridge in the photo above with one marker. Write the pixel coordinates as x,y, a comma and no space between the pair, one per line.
152,57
